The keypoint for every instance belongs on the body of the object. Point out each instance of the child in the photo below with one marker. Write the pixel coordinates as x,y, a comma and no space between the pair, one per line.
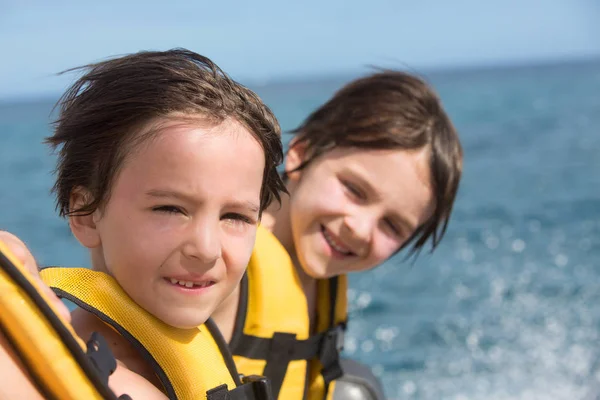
374,170
165,167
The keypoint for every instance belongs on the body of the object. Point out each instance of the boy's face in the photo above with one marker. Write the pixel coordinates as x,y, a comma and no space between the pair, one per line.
180,223
351,209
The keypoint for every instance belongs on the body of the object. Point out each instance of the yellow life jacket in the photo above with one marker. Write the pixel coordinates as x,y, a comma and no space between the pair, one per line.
272,332
51,352
191,364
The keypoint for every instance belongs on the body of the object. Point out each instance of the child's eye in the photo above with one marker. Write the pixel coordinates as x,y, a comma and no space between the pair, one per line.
235,217
393,227
354,190
167,209
237,222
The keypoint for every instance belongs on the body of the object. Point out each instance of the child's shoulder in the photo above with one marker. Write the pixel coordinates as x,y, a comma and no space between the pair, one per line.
132,370
125,381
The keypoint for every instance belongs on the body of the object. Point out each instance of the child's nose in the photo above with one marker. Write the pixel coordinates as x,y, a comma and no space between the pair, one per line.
360,228
203,242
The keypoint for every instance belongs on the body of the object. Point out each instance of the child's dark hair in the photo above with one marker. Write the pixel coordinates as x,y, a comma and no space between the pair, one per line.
392,110
102,113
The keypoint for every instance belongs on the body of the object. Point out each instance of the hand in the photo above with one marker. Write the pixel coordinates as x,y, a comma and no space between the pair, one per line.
22,253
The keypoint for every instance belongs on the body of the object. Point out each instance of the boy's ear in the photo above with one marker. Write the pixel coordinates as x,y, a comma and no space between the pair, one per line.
83,226
295,157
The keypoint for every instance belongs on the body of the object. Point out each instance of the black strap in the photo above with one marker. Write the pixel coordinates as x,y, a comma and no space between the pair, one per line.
253,388
278,359
282,348
333,292
333,342
258,348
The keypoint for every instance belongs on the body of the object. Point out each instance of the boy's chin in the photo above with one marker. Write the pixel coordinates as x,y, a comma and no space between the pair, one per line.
315,270
183,321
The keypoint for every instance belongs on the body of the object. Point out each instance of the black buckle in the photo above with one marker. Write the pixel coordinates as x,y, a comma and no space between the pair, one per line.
329,353
331,345
220,392
253,387
101,357
261,386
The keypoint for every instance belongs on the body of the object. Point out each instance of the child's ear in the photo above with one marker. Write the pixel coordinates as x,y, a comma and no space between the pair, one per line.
83,226
296,155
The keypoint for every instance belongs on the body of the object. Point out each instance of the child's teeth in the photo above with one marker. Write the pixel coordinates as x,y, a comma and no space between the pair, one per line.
334,245
188,284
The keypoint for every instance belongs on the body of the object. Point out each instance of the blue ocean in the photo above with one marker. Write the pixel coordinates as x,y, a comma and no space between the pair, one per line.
508,306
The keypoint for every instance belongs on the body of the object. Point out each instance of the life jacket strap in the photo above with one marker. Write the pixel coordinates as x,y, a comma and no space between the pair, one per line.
281,352
282,348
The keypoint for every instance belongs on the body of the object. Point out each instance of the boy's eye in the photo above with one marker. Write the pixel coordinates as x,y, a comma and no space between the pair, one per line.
398,230
167,209
238,222
354,190
393,227
238,218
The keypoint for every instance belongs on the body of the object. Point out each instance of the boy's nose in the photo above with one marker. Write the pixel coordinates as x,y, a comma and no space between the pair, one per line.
203,243
359,228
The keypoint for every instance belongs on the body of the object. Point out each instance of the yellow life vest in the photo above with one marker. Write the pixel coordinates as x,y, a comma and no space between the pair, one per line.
51,352
272,332
190,363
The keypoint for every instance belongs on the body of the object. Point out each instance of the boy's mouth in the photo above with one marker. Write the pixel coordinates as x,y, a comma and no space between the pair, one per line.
334,243
190,284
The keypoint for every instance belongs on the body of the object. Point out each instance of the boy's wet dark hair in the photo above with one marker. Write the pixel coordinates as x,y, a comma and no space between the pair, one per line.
103,112
392,110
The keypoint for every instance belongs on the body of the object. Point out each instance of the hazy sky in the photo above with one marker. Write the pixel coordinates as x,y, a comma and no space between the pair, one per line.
272,39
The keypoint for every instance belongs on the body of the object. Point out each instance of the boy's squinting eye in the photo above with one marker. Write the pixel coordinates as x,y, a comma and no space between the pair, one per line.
239,218
353,189
168,209
393,227
238,222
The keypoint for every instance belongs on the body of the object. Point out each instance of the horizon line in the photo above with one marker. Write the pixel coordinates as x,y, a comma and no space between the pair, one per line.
312,78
